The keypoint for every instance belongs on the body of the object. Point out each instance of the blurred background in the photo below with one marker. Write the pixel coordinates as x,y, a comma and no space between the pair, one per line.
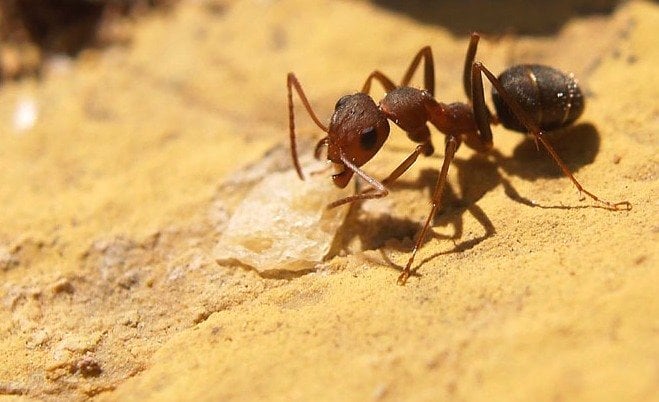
33,29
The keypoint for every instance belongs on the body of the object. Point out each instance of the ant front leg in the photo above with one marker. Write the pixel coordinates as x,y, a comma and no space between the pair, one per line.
402,168
378,188
529,123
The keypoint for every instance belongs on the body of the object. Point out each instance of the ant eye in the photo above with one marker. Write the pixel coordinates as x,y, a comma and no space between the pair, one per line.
341,101
368,138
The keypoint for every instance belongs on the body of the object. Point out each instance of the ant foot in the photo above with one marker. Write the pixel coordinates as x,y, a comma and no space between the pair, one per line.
619,206
402,279
611,206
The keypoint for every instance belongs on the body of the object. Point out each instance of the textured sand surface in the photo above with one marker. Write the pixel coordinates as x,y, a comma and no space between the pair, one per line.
114,198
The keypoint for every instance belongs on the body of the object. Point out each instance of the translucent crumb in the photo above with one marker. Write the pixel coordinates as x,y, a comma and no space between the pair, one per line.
283,223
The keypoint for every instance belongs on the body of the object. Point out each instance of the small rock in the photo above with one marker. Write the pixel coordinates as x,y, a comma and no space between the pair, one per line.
88,366
7,259
62,285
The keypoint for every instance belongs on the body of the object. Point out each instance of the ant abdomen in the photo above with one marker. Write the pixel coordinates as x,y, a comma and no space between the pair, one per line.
552,97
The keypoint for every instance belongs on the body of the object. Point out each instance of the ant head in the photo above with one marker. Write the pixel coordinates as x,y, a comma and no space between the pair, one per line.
357,131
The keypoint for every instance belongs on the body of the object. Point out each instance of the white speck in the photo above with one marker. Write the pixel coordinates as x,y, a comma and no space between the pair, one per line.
59,64
25,114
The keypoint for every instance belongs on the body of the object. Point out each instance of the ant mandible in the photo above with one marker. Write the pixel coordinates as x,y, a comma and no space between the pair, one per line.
529,98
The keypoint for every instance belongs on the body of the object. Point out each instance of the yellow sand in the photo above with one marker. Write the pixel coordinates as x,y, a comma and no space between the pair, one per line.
112,204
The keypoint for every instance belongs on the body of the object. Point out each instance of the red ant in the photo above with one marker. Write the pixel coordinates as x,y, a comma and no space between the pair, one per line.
528,98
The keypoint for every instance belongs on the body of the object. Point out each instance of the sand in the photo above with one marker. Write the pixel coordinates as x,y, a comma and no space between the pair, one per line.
128,162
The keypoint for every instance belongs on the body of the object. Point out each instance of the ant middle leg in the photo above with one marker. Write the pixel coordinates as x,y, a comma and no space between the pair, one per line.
428,70
386,82
424,54
480,114
452,144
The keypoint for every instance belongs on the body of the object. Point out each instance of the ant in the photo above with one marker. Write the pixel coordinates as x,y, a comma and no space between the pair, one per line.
528,98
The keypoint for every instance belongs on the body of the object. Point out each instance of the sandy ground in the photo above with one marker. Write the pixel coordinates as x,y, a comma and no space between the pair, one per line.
126,165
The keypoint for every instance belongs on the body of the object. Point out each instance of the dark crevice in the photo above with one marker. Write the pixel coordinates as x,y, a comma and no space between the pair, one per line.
535,17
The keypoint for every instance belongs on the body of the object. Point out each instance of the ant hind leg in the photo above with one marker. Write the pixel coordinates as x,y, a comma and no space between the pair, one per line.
533,128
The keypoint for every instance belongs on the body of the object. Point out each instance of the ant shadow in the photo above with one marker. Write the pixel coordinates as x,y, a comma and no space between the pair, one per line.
535,17
577,145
